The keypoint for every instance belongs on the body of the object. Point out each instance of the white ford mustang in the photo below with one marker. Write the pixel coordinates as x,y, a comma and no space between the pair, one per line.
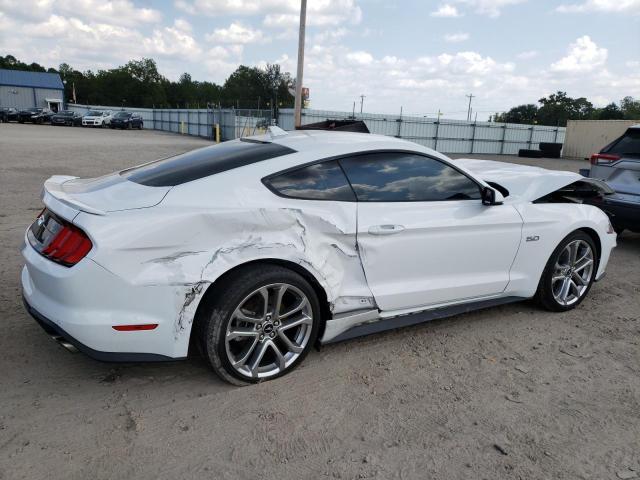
255,249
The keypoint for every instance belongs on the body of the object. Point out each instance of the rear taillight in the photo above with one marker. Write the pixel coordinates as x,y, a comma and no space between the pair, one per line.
58,240
601,158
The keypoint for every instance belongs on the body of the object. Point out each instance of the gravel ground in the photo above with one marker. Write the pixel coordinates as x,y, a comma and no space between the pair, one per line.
508,392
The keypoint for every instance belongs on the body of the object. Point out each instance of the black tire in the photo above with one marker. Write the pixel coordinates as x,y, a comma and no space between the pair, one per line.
129,126
217,311
545,295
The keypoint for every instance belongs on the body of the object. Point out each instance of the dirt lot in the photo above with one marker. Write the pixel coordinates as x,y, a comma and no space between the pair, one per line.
510,392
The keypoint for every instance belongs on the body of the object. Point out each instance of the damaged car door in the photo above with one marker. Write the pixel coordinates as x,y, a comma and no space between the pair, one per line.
424,235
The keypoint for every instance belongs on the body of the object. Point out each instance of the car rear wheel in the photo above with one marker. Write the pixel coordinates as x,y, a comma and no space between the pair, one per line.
260,325
569,273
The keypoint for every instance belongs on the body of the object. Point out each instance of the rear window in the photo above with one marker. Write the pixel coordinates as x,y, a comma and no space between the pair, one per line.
627,145
203,163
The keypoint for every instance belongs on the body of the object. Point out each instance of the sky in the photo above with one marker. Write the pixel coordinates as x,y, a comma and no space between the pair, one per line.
421,56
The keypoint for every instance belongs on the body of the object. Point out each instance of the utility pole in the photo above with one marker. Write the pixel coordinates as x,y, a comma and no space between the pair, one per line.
301,34
470,97
362,97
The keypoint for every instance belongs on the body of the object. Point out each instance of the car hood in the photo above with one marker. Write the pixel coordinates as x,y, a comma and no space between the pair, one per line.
525,182
104,194
91,117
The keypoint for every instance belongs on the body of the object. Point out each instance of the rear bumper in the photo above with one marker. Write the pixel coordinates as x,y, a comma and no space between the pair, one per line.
59,333
622,209
82,304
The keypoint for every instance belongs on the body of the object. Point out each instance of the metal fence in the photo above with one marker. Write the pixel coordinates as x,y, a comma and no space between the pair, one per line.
233,123
447,136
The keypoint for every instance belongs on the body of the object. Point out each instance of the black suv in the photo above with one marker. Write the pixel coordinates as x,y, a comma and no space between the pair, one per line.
8,114
35,115
126,120
67,117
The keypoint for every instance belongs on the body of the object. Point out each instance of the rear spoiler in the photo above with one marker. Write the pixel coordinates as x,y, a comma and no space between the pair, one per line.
61,202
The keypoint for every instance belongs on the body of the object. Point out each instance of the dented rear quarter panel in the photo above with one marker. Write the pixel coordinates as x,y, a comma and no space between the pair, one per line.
207,227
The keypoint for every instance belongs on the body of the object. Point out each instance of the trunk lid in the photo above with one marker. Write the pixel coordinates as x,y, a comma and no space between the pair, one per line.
98,196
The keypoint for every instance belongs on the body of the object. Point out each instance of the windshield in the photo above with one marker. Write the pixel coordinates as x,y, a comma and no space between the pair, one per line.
93,113
629,144
65,112
122,115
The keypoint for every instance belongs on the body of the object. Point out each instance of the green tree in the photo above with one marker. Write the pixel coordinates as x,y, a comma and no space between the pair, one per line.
630,108
610,112
520,114
557,108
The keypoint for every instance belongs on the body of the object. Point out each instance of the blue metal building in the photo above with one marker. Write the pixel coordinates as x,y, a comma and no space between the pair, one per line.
22,89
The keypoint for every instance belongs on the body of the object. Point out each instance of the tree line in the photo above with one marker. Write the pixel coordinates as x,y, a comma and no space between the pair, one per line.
558,108
139,84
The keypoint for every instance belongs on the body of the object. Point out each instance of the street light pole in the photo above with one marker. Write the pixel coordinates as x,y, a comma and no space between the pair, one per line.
301,34
361,102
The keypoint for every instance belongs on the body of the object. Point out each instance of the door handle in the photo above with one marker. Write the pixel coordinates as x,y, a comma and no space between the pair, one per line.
385,229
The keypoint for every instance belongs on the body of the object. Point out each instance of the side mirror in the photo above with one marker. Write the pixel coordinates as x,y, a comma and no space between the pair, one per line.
491,196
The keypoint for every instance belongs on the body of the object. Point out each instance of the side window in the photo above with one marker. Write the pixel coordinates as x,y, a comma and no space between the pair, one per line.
406,177
321,181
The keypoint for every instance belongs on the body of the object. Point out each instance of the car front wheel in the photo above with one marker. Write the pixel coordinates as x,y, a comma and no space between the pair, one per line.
569,273
260,325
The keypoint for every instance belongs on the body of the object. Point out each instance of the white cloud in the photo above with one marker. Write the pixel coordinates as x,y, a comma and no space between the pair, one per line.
119,12
278,13
491,8
446,11
528,55
456,37
330,36
172,41
360,58
235,33
584,56
609,6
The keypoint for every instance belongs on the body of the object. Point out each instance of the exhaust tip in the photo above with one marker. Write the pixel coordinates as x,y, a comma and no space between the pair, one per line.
68,346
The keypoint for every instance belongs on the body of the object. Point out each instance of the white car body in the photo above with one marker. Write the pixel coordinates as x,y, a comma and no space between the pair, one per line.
97,120
156,249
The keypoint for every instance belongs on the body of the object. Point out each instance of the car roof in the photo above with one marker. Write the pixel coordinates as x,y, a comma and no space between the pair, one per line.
339,142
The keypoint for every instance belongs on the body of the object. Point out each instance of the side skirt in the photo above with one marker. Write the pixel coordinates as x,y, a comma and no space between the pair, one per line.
381,324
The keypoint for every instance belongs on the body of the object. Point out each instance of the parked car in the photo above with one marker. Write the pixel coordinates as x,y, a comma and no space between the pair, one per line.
126,120
8,114
97,118
66,117
618,164
35,115
255,248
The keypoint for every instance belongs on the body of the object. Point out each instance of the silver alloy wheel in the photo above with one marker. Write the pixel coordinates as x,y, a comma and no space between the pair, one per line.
572,273
269,330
